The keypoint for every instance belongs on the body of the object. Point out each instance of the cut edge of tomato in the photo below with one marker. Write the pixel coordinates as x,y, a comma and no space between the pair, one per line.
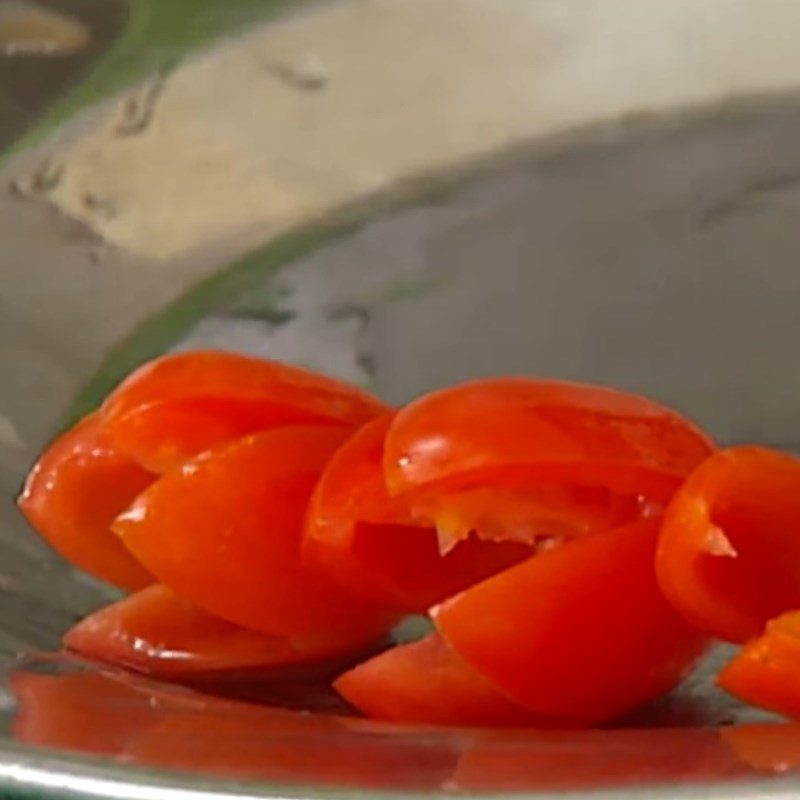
764,672
705,544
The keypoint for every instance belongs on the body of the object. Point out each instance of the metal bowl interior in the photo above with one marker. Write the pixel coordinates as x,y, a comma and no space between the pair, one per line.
660,259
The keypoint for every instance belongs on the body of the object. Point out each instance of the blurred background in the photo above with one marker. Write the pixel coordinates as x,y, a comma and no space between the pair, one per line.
404,193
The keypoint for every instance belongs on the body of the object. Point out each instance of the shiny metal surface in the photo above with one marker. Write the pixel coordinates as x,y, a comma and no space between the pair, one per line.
659,257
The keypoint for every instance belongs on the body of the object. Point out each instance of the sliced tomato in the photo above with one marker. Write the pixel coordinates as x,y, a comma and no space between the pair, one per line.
72,495
371,544
766,671
159,633
180,405
426,682
580,634
729,553
517,432
225,531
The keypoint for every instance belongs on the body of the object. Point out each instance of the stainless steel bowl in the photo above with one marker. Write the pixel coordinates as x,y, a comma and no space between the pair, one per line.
654,251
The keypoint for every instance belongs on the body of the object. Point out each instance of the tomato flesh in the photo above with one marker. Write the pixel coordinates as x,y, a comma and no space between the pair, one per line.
179,405
225,532
729,553
766,671
371,544
426,682
541,515
159,633
72,495
580,634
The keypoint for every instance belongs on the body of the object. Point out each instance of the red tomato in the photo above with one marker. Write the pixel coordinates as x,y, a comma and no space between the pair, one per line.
225,532
580,634
371,544
517,432
156,632
766,671
72,495
729,555
180,405
426,682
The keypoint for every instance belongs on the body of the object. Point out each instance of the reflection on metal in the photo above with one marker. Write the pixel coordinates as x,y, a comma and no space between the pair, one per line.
331,106
306,72
136,110
42,180
27,28
46,45
65,705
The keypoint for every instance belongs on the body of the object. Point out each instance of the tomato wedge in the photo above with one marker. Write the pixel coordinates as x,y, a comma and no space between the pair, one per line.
180,405
766,671
535,434
371,544
580,634
72,495
224,531
729,554
159,633
426,682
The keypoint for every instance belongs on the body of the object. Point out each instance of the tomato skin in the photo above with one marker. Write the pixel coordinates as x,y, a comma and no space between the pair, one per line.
372,545
728,556
224,531
765,672
72,495
160,634
177,406
426,682
164,434
581,634
519,429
